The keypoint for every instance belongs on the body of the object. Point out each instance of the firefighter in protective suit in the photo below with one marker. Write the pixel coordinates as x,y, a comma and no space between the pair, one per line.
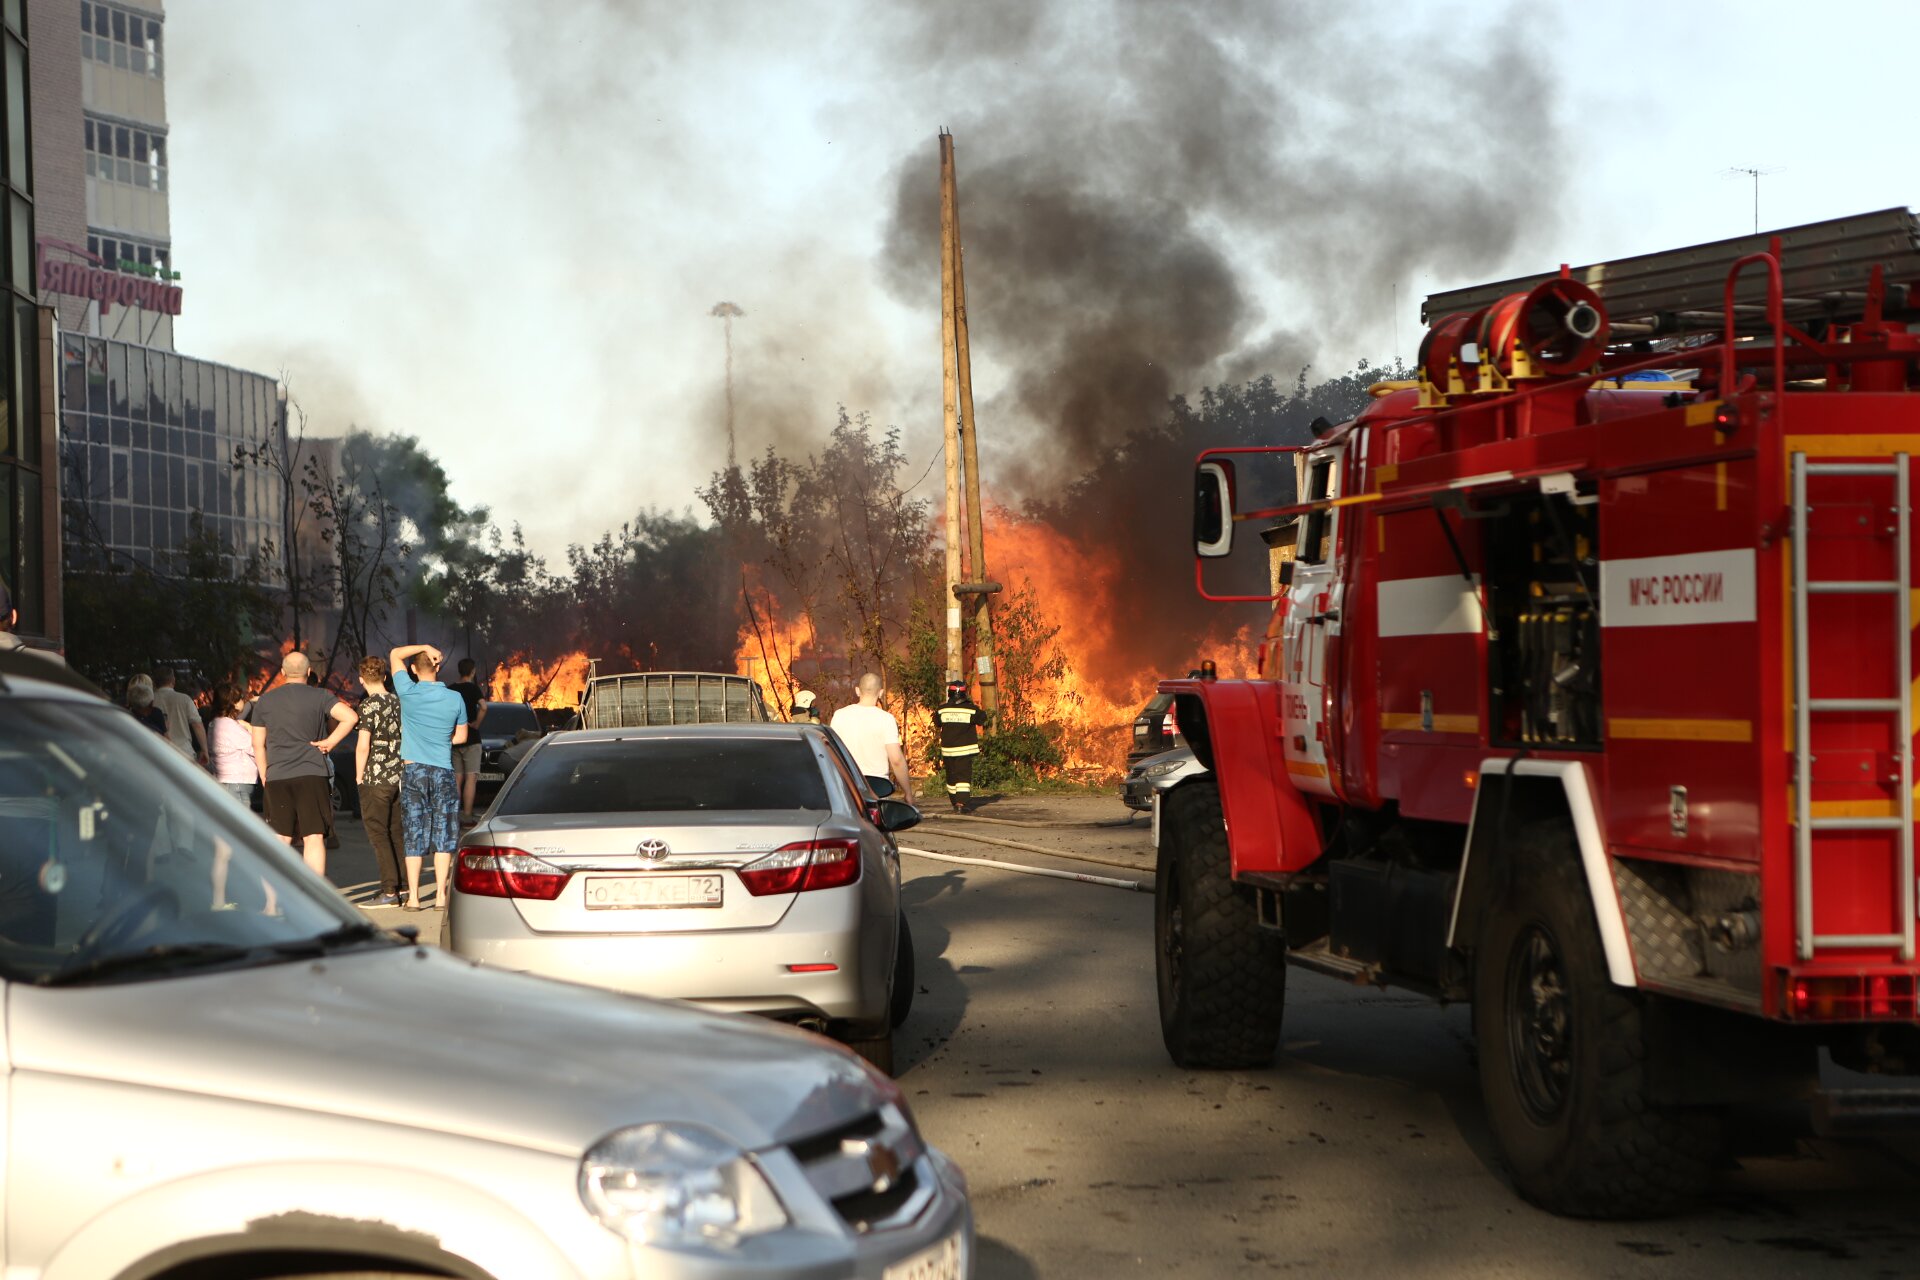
959,721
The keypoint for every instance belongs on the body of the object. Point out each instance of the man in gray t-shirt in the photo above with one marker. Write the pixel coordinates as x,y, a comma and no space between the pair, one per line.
291,740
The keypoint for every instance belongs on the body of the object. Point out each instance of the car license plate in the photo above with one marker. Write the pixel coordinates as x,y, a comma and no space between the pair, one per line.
492,777
613,893
944,1261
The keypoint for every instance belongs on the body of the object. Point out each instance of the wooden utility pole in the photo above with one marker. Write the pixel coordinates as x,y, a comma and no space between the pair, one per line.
950,391
980,600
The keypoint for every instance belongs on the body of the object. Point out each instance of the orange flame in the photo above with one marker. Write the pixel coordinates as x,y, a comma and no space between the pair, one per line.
1076,588
770,646
557,684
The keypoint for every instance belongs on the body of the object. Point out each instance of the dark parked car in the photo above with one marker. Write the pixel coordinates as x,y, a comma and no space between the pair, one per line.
504,724
1154,730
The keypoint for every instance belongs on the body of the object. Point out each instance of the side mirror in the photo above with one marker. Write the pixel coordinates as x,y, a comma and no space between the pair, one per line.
1213,510
882,787
1286,573
897,815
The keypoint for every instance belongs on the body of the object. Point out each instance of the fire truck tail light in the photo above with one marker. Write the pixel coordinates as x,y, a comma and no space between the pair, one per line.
1851,997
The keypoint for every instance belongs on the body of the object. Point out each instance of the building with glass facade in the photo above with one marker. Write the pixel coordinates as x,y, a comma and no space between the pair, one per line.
150,440
151,446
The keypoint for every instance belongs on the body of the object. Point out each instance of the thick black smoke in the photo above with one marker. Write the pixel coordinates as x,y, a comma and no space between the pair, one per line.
1140,182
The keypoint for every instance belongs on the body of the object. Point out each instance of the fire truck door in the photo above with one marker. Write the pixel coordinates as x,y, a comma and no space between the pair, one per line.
1312,623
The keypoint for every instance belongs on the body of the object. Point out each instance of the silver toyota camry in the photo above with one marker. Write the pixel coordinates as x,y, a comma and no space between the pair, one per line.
216,1066
743,867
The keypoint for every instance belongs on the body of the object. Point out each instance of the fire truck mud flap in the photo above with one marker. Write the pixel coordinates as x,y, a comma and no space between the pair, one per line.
1518,789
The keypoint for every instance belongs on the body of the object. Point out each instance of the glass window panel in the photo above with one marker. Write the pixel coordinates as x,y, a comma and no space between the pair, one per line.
140,440
117,378
137,384
176,481
99,471
26,378
89,128
97,377
122,526
122,142
20,228
29,601
142,476
240,494
86,17
122,468
119,432
17,114
119,25
143,526
73,372
177,523
97,428
7,548
193,488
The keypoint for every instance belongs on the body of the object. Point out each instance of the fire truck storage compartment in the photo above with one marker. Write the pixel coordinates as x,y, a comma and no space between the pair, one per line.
1391,915
1541,553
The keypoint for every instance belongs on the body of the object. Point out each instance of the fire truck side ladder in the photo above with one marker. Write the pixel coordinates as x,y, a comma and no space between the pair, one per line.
1806,707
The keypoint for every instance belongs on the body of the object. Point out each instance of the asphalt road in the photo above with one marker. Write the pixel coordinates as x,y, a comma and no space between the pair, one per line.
1033,1055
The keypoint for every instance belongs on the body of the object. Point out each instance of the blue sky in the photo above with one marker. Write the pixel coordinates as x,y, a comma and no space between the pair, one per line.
501,226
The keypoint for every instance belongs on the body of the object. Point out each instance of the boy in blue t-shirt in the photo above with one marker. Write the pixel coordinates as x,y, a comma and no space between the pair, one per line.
433,720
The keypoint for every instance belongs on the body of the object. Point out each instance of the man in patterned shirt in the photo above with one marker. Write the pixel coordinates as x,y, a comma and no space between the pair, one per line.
376,763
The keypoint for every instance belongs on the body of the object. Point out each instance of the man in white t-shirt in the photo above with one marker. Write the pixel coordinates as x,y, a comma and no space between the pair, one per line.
873,736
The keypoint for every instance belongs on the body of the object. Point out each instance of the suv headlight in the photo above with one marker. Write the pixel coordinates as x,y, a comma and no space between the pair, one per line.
677,1184
1162,770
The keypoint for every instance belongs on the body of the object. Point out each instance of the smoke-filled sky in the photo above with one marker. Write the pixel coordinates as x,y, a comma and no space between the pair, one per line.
501,225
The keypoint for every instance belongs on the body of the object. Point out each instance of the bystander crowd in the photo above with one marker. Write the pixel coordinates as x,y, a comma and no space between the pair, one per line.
184,728
290,746
467,755
230,744
433,720
140,703
873,736
377,773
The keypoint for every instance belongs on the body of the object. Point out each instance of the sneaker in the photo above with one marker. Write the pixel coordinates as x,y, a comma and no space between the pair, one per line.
386,900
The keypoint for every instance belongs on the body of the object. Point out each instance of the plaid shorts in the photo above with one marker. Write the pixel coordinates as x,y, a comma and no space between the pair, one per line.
429,809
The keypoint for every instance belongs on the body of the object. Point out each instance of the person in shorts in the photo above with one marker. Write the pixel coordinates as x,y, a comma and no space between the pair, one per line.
467,755
433,720
290,746
376,774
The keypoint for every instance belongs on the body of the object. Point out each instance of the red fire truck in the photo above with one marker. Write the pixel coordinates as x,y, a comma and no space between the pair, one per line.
1588,698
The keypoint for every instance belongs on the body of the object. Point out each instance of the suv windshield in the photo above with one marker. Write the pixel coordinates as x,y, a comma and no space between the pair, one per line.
114,848
657,775
504,719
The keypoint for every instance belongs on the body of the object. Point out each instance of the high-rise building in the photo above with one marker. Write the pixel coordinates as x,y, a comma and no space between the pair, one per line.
154,445
29,530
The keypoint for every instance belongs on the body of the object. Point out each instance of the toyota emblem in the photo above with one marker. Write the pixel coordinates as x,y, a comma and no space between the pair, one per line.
654,849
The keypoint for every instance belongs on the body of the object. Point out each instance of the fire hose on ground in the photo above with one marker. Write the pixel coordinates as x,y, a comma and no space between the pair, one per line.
1041,849
1049,872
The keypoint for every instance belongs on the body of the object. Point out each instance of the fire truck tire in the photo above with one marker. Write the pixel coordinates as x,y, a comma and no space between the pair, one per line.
1222,978
1563,1055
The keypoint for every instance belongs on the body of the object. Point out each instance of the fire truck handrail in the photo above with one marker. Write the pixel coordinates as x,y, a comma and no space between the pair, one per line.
1833,265
1776,316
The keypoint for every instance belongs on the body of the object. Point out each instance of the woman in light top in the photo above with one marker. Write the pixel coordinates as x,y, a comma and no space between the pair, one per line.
230,745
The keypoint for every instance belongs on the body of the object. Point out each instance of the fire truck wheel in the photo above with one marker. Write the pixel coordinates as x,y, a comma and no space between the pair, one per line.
1222,978
1563,1055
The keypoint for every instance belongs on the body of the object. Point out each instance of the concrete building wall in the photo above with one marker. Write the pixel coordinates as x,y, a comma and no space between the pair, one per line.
59,163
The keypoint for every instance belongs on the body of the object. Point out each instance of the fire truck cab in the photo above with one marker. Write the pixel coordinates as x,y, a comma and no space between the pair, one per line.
1589,698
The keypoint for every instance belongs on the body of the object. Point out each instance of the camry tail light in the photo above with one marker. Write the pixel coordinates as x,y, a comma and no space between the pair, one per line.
803,866
508,873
